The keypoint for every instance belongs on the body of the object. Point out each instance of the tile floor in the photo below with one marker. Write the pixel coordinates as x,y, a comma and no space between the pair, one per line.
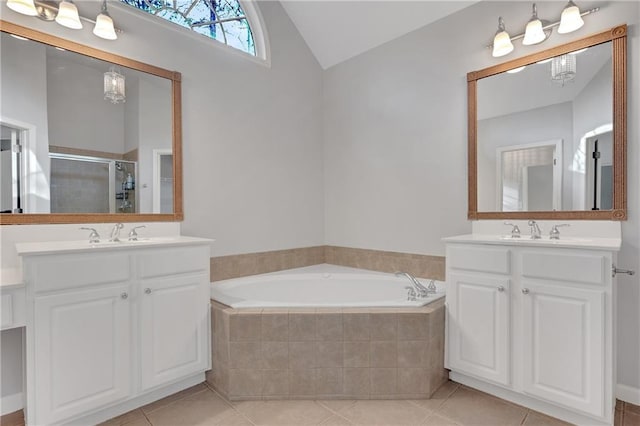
452,404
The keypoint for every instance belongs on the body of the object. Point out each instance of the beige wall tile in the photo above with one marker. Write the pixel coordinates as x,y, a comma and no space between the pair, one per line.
356,326
357,354
245,326
275,383
302,355
275,355
383,381
275,326
245,382
302,382
329,381
384,353
413,380
245,355
384,325
413,353
357,382
329,354
413,326
302,326
329,326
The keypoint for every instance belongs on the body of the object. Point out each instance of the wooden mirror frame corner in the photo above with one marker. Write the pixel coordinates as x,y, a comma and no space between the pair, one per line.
618,36
176,114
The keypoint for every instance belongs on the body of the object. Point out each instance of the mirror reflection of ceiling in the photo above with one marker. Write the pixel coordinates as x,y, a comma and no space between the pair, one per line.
506,93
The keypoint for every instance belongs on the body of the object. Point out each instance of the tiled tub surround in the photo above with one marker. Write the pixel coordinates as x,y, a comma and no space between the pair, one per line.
242,265
383,353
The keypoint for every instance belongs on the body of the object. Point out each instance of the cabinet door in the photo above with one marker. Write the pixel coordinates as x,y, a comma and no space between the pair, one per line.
82,352
563,332
479,318
174,329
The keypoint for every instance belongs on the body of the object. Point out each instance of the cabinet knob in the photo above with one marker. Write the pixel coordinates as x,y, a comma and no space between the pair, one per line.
501,289
147,291
124,295
525,291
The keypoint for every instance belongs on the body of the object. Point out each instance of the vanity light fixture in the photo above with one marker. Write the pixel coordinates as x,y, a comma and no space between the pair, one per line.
104,24
66,14
515,70
26,7
538,30
114,86
502,41
571,19
534,33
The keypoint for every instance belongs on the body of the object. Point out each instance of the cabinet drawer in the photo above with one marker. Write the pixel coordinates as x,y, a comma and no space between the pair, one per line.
481,259
555,265
173,261
64,271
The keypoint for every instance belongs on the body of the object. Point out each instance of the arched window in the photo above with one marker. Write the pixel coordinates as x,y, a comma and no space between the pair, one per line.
221,20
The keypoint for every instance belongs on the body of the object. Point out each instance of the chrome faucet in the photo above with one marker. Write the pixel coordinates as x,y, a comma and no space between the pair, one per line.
515,231
115,233
536,233
133,235
421,290
94,237
554,234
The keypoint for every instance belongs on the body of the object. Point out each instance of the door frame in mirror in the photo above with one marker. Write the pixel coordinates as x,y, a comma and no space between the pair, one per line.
618,37
176,113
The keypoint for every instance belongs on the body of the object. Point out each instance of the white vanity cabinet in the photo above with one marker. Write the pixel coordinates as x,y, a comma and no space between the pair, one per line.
113,327
533,323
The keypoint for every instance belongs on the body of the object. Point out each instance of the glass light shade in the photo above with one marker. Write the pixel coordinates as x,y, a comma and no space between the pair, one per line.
516,70
534,33
502,44
26,7
68,15
563,68
570,20
114,90
104,27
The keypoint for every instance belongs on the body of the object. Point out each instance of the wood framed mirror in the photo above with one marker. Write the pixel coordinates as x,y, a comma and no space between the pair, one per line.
87,136
547,133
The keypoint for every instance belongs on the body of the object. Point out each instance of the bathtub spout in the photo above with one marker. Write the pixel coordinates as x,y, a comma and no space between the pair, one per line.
421,290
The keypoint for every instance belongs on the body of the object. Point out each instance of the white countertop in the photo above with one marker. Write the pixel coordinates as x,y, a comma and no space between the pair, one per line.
54,247
594,243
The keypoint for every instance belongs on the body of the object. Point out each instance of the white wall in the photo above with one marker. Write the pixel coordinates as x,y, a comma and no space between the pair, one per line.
523,128
79,116
395,141
23,84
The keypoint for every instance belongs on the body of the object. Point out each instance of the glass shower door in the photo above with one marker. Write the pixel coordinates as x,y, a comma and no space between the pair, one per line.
81,184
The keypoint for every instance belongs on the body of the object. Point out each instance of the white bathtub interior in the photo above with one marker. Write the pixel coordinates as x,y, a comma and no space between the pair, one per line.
320,286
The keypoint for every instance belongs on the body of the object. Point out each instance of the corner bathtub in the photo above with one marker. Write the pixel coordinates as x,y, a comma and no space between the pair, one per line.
320,286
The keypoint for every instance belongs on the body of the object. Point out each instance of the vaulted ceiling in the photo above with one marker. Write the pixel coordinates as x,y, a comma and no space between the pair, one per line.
336,30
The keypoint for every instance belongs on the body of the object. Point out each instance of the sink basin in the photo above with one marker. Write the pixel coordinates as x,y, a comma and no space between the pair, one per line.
84,245
544,239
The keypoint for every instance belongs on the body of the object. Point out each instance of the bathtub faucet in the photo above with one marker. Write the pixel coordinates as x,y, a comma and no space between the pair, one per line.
421,290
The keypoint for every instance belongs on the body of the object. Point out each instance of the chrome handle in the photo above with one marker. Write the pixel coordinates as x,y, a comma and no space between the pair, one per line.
501,289
525,291
124,295
147,290
615,271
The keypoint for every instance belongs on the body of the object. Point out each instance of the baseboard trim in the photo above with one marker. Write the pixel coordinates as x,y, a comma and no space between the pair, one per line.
11,403
628,394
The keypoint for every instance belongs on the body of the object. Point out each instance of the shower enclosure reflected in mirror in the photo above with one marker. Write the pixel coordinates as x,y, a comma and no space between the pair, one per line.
547,133
81,129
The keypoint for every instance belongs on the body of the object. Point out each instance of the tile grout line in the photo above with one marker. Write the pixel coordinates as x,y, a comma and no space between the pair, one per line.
335,412
228,403
526,416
